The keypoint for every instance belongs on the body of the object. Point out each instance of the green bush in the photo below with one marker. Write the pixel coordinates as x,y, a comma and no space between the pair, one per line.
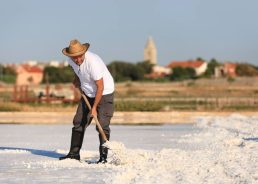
230,79
10,79
138,106
9,107
180,73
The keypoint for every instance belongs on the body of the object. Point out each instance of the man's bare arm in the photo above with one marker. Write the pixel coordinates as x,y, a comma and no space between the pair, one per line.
100,89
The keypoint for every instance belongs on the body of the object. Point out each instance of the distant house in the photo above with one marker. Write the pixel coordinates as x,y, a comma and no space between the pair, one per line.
226,70
54,63
198,65
28,75
32,63
158,72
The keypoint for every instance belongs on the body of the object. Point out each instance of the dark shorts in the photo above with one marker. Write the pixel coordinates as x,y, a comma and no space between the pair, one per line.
105,110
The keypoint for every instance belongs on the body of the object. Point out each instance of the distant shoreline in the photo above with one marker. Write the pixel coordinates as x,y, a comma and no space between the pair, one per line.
120,118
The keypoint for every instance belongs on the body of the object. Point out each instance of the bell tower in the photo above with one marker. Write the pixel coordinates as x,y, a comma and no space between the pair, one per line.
150,52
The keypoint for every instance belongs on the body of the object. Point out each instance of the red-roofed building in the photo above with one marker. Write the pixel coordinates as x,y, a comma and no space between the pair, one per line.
28,75
155,75
198,65
227,69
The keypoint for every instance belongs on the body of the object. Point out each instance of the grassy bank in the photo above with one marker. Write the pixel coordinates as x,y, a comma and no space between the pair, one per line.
133,105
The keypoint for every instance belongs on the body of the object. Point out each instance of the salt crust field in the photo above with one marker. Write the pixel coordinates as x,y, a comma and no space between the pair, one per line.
211,150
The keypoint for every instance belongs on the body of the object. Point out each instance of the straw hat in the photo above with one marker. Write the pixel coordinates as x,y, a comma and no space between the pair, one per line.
75,48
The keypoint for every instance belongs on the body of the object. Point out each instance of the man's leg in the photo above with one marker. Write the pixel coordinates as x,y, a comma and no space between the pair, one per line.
80,122
105,113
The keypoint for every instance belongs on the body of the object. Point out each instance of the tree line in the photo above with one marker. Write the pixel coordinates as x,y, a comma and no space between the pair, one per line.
127,71
7,74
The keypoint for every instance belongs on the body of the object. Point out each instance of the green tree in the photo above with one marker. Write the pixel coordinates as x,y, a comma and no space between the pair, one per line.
199,59
58,75
146,66
211,68
180,73
122,71
7,74
246,70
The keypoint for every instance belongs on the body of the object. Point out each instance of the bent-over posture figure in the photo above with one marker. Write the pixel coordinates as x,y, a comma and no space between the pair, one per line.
96,82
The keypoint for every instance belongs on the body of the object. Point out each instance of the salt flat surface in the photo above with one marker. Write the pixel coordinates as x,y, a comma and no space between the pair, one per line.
213,150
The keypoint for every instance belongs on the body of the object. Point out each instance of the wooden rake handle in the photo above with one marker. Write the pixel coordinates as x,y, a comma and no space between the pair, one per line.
103,135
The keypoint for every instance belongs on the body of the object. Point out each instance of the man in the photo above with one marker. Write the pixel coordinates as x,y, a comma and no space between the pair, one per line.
96,82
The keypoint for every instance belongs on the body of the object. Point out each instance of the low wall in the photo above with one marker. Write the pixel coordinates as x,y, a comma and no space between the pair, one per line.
119,117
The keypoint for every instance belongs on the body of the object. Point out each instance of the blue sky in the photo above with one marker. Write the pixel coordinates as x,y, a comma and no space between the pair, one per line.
118,30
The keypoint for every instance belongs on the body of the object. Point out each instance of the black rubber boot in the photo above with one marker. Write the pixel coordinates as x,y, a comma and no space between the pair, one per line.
71,156
76,144
103,151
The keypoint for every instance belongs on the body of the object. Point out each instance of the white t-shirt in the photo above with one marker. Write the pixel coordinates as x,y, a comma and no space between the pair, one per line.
92,69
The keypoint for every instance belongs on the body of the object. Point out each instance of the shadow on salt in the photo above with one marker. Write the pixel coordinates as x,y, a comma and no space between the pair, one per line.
46,153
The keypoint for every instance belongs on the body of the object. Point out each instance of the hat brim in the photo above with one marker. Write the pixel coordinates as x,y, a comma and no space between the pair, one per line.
65,51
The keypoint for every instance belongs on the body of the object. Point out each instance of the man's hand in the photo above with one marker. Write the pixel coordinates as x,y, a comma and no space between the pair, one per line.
94,112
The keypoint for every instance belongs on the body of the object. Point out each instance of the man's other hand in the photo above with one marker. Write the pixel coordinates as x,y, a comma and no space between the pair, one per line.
94,112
